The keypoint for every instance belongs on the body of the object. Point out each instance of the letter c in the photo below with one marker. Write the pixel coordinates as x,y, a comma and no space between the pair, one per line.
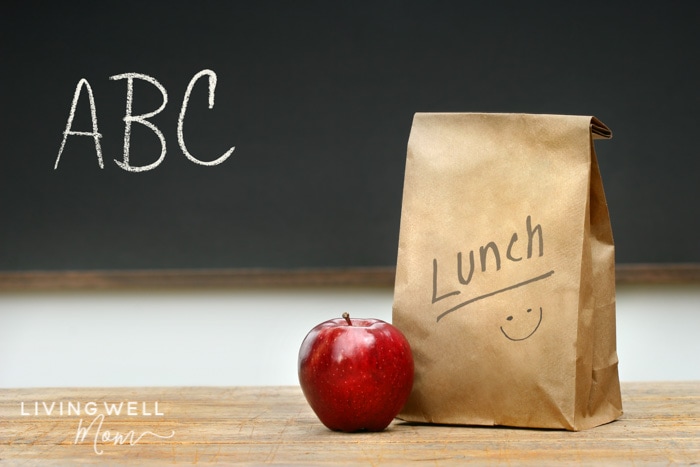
513,239
181,118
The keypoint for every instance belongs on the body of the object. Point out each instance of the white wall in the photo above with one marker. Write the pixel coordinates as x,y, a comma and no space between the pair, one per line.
251,337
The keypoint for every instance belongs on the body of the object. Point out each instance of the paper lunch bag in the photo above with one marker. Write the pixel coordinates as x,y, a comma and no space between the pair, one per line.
505,278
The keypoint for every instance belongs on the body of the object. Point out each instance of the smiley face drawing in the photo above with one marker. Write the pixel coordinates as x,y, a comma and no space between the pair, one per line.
522,326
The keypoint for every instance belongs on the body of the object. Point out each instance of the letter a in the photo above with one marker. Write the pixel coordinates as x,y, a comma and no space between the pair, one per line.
128,118
183,110
69,125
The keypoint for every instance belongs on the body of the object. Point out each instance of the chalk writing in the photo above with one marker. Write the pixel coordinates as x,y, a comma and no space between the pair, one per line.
93,116
181,118
143,119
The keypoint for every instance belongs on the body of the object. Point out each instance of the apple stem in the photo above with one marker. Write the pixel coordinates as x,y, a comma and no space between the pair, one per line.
346,315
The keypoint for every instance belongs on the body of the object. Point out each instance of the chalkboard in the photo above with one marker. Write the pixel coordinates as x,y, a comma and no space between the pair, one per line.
272,135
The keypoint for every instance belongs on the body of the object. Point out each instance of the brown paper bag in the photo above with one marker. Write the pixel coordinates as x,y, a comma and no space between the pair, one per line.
505,282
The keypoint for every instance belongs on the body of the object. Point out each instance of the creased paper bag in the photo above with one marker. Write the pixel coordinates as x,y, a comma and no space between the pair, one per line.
505,282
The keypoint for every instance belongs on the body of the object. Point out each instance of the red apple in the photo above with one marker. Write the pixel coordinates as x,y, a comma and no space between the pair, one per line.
356,374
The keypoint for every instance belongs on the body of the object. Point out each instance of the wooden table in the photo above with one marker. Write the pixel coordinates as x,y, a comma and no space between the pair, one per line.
259,425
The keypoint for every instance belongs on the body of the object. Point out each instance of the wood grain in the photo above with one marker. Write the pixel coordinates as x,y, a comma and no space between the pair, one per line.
205,278
227,278
274,425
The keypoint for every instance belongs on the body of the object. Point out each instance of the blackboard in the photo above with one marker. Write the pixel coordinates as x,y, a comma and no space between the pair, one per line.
316,100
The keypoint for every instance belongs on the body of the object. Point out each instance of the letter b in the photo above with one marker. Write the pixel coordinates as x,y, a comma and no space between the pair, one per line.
142,119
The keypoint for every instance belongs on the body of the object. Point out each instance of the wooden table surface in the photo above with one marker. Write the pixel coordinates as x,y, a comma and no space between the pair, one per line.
259,425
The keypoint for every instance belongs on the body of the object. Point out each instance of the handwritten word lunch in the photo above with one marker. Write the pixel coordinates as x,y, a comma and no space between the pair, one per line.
511,254
490,247
130,118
